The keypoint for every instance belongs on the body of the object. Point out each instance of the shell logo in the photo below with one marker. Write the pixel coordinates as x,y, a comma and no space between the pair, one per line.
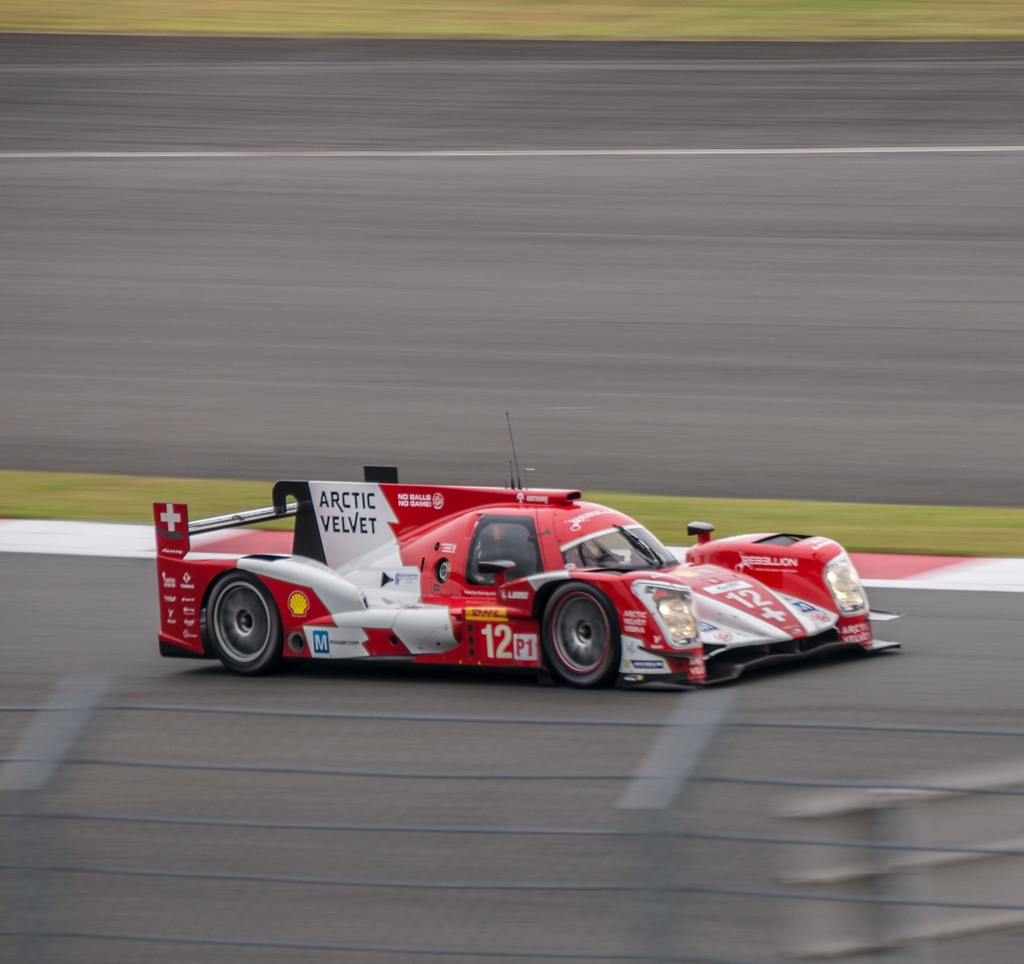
298,604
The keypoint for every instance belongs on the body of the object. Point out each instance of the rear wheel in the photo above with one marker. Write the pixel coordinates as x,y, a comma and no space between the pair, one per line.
244,625
580,632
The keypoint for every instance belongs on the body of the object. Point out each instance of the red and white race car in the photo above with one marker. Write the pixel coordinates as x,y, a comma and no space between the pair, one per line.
528,579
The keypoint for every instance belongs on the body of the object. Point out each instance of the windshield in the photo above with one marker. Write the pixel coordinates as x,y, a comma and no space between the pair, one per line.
621,547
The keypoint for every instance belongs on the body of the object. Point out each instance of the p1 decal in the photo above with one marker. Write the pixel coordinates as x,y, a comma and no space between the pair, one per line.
321,642
524,647
298,604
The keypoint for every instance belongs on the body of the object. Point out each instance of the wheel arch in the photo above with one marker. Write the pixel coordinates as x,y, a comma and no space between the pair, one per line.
274,612
598,594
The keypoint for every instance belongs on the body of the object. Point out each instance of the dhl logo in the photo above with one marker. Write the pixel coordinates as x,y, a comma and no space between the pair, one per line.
490,614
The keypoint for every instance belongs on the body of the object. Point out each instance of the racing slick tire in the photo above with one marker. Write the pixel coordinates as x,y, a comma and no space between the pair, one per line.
580,636
243,624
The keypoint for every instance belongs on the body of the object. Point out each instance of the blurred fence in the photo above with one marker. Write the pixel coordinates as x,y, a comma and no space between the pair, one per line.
267,852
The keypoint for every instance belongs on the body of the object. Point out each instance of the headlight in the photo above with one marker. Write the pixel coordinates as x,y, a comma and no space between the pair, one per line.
846,588
676,611
672,608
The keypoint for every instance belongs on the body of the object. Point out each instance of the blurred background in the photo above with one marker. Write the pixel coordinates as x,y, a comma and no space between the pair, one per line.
752,268
741,270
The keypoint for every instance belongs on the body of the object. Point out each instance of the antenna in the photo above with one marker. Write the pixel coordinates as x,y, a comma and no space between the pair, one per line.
519,484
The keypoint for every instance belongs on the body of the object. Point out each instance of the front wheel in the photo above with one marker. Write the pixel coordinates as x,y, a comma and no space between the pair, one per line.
580,633
244,625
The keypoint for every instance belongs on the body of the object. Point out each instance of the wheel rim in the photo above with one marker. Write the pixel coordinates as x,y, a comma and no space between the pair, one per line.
581,634
241,622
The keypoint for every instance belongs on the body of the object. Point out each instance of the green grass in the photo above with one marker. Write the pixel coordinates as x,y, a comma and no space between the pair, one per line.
928,530
535,19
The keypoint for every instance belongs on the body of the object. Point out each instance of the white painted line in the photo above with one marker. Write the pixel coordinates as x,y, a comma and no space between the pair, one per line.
677,751
110,540
52,732
698,152
977,575
54,537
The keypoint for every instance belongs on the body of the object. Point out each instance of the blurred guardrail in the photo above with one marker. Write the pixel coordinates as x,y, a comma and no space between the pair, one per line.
669,859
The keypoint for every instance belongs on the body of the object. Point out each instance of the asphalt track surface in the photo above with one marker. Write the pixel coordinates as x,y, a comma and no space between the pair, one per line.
188,288
67,616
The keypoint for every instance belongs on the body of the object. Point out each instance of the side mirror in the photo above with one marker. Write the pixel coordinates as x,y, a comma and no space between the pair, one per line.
702,530
499,567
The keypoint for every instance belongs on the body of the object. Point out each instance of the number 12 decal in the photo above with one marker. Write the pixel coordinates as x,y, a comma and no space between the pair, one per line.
752,599
503,644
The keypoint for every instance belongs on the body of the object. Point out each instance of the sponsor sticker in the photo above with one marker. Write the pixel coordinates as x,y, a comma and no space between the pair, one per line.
420,500
170,517
727,587
766,562
648,663
298,604
321,642
634,620
348,512
169,582
524,646
813,611
487,614
576,522
858,633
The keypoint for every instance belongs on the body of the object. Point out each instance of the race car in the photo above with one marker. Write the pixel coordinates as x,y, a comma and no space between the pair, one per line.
529,579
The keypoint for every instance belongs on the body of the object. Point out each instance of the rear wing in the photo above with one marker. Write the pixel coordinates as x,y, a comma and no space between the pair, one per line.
173,530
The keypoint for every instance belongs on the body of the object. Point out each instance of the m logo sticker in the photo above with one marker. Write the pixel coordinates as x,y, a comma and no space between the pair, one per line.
321,643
